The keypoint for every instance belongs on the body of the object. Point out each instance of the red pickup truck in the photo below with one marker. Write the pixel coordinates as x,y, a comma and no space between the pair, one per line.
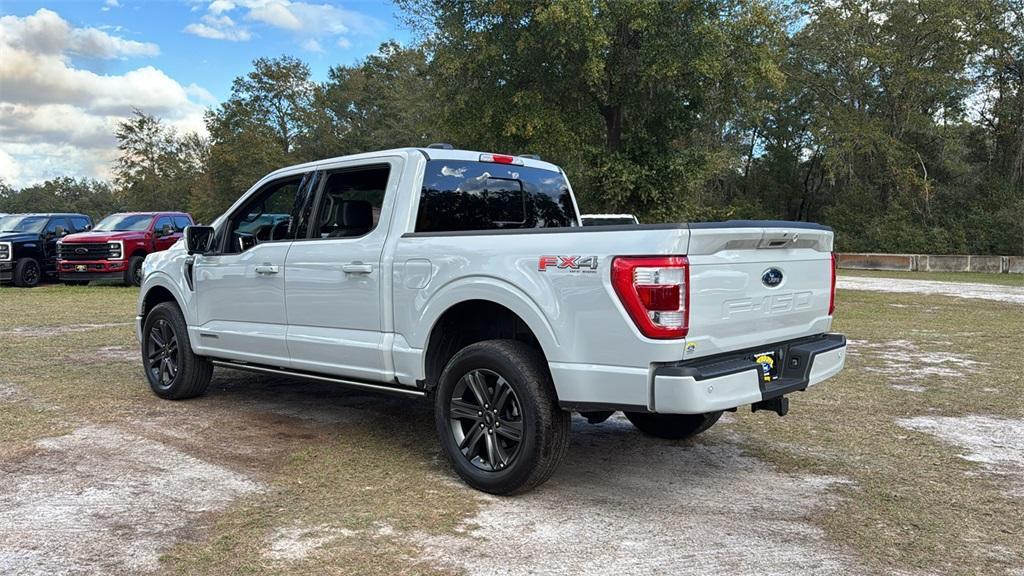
116,247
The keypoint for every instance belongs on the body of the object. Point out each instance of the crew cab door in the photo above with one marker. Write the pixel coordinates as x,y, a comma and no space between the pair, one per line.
240,305
335,282
57,228
164,233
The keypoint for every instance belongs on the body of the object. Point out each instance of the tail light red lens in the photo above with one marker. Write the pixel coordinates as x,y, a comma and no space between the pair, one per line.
655,291
832,295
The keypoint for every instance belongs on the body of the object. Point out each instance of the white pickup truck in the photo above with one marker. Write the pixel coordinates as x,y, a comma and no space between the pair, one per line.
465,278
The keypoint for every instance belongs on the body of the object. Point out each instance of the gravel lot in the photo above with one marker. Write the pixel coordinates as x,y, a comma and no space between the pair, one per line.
1014,294
908,463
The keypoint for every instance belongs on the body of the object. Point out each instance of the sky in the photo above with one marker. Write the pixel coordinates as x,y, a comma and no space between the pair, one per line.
71,70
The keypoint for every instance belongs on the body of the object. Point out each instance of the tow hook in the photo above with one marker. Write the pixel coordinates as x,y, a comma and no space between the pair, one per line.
778,405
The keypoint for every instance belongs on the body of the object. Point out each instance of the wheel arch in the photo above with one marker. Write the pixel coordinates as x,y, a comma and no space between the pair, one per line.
157,295
474,320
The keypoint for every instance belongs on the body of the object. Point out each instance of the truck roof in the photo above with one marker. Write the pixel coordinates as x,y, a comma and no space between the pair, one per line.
149,213
48,214
428,153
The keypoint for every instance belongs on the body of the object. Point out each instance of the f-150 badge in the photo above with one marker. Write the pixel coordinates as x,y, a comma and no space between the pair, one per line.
572,263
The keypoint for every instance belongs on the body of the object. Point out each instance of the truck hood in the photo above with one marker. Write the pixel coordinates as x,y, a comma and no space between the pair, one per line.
100,236
16,237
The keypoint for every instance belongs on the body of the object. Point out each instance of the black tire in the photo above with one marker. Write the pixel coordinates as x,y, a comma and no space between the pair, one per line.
515,378
174,372
133,274
27,273
673,426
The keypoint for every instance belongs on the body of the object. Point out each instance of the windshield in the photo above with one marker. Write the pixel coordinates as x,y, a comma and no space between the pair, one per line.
32,224
124,223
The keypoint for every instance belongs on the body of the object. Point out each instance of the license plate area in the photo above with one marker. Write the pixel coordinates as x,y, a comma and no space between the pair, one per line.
768,365
81,268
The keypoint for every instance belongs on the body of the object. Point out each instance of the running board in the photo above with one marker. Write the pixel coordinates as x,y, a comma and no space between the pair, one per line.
321,378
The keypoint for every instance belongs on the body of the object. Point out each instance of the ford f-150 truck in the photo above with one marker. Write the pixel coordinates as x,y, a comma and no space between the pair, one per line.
116,247
466,278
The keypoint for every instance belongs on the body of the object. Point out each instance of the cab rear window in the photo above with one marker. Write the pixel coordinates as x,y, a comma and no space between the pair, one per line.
465,195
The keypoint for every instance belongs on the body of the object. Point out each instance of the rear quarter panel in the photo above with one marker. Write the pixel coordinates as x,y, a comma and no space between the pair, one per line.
574,313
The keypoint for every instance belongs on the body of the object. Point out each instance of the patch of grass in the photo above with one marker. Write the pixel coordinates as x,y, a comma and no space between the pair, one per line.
914,503
371,487
59,305
975,277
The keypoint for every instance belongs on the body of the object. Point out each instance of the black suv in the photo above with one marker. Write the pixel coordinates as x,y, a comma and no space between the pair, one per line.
28,244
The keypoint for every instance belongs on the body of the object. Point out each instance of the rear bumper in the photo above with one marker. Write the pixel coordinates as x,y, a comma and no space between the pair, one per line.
710,384
91,270
734,379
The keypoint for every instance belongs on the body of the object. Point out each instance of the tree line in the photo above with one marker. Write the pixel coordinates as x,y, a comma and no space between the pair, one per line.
900,123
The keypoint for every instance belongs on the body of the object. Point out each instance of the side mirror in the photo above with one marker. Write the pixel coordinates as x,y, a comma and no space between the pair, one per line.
166,230
60,231
199,239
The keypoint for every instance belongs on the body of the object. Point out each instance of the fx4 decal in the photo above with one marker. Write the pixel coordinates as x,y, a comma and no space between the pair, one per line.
572,263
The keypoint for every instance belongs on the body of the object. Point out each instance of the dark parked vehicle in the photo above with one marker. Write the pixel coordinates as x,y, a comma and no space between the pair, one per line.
116,247
28,245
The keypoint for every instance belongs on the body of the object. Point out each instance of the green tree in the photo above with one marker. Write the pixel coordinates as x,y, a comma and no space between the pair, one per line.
257,130
64,194
386,101
635,98
157,169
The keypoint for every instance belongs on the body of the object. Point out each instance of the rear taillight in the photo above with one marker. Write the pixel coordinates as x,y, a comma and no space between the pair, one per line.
655,290
832,293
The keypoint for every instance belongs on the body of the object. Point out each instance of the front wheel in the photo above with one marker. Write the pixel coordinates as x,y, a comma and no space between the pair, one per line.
498,418
673,426
133,275
173,370
27,273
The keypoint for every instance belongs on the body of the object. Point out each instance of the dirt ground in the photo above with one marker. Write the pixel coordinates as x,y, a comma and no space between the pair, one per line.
909,462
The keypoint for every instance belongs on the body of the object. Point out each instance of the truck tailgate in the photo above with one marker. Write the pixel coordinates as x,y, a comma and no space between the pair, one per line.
754,285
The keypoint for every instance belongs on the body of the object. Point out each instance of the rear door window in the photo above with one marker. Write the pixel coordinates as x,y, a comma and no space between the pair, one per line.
181,222
464,195
81,224
162,222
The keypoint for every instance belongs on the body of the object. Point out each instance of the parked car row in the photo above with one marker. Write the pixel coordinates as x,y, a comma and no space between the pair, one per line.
66,247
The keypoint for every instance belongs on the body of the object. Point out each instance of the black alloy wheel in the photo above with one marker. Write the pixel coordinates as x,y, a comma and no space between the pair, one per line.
27,273
486,420
162,354
135,271
30,273
497,417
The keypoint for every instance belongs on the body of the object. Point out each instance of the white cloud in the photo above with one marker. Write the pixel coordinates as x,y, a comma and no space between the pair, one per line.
312,45
58,119
310,23
108,4
45,32
217,27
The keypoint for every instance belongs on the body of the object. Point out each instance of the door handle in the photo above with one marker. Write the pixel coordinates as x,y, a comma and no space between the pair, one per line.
266,270
356,268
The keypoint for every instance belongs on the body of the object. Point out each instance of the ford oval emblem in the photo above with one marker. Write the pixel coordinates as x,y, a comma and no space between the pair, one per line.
81,250
772,277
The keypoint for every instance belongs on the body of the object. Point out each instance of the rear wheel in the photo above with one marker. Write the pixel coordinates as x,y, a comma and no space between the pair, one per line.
133,275
673,426
498,418
173,370
27,273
